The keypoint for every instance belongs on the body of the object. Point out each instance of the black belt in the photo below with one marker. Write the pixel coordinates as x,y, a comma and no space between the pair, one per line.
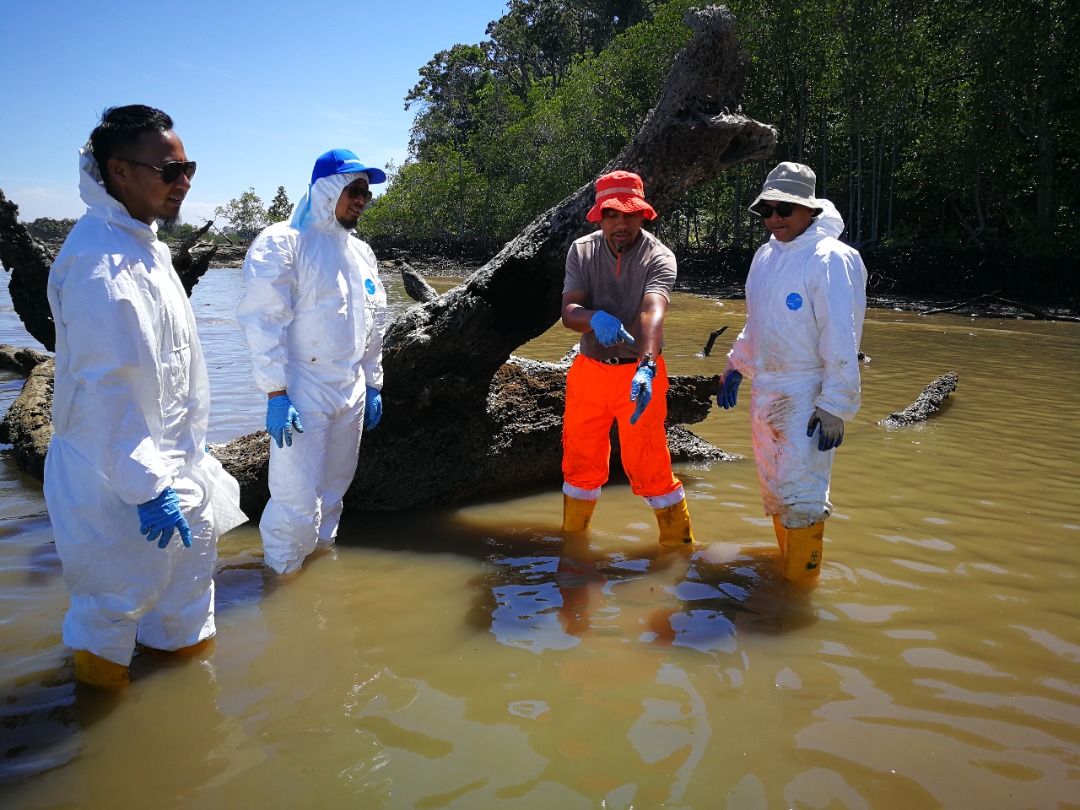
619,361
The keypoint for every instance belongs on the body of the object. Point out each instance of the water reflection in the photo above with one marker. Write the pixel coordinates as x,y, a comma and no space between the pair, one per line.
473,657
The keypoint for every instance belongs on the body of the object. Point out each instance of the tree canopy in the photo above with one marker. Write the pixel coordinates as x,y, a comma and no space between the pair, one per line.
938,130
280,208
246,214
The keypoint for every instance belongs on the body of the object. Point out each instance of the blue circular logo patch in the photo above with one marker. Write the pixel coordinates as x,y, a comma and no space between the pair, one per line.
369,285
794,301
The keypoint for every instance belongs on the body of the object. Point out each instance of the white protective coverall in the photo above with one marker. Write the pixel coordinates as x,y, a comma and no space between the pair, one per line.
130,409
805,304
313,314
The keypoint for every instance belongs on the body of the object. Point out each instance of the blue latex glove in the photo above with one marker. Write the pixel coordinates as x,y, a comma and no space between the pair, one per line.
158,518
641,391
281,418
831,429
372,409
727,394
608,329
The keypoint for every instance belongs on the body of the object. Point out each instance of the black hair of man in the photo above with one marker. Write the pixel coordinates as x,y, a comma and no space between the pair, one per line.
120,130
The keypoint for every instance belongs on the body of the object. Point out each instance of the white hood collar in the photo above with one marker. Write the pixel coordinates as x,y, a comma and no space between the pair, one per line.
97,199
827,223
317,208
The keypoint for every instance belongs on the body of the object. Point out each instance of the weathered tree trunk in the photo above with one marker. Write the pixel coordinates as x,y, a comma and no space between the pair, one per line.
28,259
458,420
461,417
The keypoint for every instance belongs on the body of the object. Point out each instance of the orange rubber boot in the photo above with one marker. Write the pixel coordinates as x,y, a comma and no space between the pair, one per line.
576,513
674,523
805,547
100,672
781,534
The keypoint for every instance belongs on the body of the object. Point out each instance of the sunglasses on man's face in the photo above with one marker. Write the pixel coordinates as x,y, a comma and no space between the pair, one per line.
358,191
170,171
783,209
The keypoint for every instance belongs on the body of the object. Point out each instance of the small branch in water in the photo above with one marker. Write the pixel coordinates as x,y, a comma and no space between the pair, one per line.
712,339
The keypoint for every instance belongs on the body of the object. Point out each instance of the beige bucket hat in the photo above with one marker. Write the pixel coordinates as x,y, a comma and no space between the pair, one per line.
790,182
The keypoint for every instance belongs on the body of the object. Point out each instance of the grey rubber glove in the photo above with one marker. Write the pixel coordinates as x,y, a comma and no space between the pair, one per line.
831,429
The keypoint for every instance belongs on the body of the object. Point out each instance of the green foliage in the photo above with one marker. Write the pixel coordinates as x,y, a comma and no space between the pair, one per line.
280,208
246,215
936,126
49,228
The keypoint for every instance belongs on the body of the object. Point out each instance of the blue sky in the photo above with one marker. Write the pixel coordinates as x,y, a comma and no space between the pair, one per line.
257,90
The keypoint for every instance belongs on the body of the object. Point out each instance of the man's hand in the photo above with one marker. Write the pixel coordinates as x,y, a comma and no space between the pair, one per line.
641,391
372,409
281,419
727,393
831,429
608,329
158,518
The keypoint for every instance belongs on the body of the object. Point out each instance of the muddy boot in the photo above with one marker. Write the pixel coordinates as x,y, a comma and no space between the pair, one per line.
100,672
674,523
576,513
804,550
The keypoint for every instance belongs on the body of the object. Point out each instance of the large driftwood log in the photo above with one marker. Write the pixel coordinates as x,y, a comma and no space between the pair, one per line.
28,260
927,404
462,417
459,420
28,423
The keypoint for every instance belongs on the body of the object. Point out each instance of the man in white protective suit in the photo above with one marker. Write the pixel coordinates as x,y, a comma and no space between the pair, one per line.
130,408
313,314
805,304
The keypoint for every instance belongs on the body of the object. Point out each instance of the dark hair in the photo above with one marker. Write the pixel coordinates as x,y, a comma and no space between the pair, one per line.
121,128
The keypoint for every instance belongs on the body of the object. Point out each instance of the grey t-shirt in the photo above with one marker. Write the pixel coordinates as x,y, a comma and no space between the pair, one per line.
648,267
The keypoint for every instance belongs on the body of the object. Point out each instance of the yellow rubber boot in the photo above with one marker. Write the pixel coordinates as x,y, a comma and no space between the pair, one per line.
100,672
576,513
802,559
674,523
781,534
198,648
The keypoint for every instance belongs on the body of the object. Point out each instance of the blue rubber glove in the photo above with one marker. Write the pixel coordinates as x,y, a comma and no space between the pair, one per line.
608,329
281,418
831,429
372,409
158,518
727,393
641,391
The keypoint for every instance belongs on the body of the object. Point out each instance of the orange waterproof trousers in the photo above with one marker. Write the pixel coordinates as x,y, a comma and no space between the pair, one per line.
597,394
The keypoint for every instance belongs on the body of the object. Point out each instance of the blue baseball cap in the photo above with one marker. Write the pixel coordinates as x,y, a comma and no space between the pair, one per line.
342,161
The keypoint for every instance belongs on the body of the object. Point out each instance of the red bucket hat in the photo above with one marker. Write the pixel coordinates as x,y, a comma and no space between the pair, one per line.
622,191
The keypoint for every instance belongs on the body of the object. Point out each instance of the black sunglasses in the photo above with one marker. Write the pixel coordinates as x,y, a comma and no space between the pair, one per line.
170,171
356,191
783,209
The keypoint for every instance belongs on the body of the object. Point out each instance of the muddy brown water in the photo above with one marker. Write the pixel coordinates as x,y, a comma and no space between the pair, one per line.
466,658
